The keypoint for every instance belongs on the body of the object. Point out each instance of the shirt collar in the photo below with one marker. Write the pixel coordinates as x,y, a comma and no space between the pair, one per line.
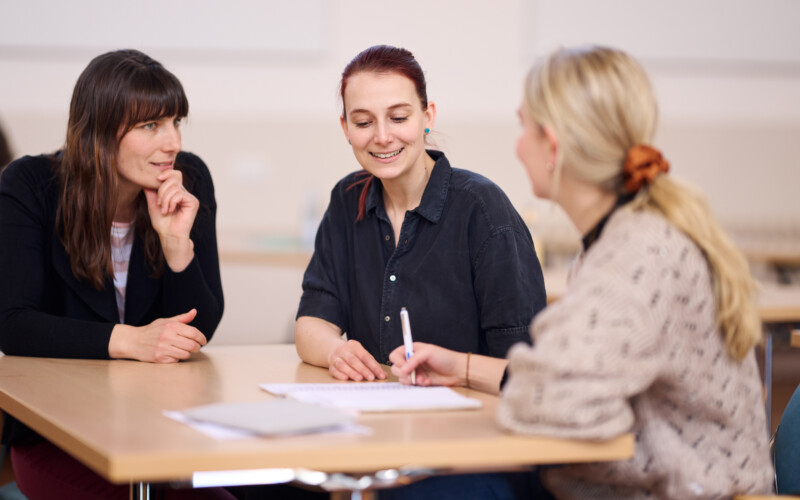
594,233
433,198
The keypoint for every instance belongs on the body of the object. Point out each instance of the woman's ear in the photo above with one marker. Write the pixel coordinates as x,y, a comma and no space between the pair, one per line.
552,140
343,123
430,115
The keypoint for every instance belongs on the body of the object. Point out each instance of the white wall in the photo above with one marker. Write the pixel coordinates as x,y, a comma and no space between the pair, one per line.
262,80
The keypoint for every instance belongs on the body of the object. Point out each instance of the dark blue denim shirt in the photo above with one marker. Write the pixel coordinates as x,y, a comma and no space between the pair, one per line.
464,267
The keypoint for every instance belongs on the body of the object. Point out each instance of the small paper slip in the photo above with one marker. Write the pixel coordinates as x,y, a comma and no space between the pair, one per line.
376,396
276,416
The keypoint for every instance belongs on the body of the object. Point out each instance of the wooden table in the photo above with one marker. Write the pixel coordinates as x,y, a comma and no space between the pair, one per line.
108,414
779,303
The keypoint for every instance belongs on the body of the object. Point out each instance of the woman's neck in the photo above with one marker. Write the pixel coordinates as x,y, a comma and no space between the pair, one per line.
405,193
126,204
584,203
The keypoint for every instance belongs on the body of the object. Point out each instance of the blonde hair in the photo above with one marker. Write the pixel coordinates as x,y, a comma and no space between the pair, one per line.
599,102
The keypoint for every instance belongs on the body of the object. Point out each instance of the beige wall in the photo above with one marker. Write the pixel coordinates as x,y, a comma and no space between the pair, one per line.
264,111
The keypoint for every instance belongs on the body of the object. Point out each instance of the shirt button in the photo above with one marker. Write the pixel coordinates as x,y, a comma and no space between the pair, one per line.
405,242
387,237
386,319
393,278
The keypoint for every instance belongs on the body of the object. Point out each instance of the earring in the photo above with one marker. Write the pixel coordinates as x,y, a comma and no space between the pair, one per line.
427,131
348,142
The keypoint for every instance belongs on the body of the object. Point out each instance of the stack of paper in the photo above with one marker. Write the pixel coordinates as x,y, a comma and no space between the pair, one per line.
272,417
375,396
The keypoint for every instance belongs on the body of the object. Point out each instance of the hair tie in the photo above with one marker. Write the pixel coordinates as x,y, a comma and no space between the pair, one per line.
642,164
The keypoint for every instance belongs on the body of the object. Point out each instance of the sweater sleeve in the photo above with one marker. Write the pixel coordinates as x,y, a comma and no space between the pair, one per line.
25,225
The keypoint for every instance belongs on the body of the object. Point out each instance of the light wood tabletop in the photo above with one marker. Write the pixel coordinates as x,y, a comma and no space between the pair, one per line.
779,303
109,415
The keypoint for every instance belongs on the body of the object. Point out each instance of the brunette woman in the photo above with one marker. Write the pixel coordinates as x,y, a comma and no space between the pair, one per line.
107,249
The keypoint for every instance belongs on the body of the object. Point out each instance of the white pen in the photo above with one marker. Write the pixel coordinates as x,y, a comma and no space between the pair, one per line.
408,342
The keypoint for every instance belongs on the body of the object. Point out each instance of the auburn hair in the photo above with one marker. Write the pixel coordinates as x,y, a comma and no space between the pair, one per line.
382,59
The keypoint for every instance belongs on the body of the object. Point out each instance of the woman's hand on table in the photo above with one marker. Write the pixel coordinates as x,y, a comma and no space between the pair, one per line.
165,340
350,361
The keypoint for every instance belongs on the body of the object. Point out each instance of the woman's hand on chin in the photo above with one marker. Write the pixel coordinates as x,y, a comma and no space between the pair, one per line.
172,212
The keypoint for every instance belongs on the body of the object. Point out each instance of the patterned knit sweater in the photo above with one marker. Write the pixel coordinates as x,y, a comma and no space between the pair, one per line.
633,347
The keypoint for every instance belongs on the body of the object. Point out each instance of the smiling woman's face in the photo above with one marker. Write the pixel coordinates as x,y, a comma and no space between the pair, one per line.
385,123
146,150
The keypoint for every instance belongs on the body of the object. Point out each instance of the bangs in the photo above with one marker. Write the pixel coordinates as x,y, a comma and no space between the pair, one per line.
153,95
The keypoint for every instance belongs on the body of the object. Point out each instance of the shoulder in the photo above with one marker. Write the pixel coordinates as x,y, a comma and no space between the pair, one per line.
642,233
193,167
31,169
641,249
348,188
473,192
30,176
476,184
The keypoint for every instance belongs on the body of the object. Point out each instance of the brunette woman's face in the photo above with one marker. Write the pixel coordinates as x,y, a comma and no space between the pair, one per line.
146,150
385,123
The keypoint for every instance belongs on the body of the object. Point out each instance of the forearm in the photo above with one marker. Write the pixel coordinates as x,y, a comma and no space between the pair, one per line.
484,373
178,252
36,333
119,344
197,287
315,340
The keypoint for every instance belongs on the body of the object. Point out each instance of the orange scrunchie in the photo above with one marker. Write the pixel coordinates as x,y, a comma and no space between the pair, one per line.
643,164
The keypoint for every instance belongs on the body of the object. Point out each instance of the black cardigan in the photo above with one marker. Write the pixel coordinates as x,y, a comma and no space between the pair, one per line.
45,311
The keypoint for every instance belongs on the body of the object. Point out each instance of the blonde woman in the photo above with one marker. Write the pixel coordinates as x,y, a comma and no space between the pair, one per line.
655,333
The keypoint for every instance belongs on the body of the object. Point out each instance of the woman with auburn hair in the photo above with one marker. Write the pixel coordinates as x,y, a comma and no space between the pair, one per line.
655,333
410,231
107,249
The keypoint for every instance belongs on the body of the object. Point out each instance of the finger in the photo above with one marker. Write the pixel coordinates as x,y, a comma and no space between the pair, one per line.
165,358
171,174
186,344
191,334
374,367
168,197
344,368
336,373
180,197
406,366
186,317
358,366
177,353
152,199
371,368
398,356
401,377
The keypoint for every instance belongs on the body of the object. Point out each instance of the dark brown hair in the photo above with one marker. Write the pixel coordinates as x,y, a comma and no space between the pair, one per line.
116,91
5,151
382,59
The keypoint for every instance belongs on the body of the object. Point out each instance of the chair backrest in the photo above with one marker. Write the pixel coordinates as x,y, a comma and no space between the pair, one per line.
787,448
